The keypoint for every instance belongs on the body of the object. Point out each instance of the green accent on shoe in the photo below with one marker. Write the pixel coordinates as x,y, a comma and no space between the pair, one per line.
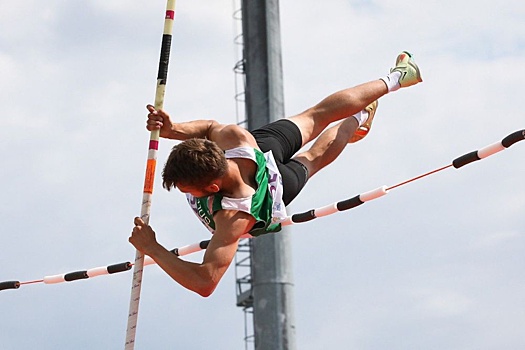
410,74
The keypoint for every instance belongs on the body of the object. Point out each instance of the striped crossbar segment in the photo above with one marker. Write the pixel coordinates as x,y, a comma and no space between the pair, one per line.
105,270
489,150
336,207
151,164
72,276
84,274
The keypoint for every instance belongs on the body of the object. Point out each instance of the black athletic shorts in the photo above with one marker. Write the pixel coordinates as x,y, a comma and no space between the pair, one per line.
284,139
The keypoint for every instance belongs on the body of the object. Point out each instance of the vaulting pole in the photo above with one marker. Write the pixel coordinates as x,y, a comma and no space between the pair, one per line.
150,174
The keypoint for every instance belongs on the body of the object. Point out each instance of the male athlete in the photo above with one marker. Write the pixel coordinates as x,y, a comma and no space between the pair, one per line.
239,182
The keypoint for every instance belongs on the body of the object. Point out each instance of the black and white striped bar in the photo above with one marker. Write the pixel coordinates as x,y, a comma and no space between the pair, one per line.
104,270
79,275
336,207
72,276
489,150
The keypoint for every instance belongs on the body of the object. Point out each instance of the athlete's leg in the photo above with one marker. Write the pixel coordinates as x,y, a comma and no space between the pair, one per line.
328,146
343,104
350,101
337,106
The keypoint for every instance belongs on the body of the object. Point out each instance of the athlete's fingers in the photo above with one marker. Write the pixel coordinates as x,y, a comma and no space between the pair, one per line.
138,221
150,108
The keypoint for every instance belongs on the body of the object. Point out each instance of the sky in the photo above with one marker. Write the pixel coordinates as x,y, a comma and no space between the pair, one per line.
436,264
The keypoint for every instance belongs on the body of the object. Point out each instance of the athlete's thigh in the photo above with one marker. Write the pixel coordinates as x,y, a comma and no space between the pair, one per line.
282,137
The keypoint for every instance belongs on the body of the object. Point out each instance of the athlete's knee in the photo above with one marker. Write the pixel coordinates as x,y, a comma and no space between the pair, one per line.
309,161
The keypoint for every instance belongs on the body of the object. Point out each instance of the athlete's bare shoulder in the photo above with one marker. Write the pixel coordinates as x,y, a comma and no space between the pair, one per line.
231,136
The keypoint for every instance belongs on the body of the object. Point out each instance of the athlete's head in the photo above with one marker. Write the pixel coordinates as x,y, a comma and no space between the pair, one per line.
195,163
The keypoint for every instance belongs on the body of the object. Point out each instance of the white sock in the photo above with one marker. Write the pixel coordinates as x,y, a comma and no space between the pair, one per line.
361,117
392,80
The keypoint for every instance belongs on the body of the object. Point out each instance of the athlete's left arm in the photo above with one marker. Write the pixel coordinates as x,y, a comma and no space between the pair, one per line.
201,278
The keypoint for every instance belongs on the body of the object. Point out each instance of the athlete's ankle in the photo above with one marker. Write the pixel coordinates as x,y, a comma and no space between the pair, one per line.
361,117
392,81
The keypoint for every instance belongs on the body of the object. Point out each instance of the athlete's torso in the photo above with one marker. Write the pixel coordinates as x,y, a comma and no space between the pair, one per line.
265,205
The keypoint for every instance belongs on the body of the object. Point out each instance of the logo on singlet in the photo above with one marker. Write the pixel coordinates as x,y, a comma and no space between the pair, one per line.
201,209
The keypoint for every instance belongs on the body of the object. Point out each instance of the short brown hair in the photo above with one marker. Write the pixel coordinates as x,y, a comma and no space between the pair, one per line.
194,162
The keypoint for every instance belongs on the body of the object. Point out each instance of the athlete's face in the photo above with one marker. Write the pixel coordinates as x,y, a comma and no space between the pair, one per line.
199,192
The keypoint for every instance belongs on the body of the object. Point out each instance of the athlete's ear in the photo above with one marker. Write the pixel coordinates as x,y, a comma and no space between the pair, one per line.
213,187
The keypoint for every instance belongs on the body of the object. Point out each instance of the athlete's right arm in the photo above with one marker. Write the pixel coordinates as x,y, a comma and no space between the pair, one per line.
160,120
201,278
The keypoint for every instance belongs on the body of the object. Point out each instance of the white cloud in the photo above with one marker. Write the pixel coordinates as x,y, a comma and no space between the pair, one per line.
435,264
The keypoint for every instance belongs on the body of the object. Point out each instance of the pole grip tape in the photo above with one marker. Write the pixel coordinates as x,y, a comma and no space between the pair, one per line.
164,59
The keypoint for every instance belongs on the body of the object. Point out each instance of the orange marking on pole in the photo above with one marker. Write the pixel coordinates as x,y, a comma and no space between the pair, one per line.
150,176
